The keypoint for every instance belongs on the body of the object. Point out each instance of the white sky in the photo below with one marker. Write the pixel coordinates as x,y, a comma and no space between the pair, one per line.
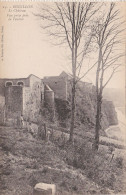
28,51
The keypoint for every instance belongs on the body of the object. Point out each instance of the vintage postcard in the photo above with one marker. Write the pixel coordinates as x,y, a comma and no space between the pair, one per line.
62,97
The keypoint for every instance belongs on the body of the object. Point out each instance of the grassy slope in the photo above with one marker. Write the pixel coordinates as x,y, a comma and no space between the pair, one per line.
26,160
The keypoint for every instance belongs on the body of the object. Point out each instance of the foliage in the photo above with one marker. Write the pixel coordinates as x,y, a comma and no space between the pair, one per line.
63,111
119,162
99,166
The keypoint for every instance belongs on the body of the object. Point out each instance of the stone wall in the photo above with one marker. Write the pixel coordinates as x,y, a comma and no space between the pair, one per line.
2,109
14,82
2,86
33,100
49,97
58,85
13,104
34,79
26,99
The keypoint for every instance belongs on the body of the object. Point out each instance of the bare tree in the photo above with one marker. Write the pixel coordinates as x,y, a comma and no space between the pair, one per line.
69,22
107,33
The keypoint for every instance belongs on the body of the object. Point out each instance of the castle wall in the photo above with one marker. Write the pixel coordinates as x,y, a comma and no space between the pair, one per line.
49,98
33,99
33,79
13,104
14,82
58,85
2,85
26,99
2,107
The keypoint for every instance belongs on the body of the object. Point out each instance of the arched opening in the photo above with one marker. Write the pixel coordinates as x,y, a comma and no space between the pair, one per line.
8,83
20,83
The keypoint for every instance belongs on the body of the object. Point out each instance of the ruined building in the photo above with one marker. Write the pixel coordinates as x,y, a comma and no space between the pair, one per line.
25,96
17,96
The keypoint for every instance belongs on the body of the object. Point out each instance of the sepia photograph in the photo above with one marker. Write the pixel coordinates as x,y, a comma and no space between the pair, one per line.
62,97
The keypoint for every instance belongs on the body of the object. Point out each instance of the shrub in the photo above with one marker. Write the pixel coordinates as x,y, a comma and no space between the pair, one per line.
119,162
45,170
111,149
96,165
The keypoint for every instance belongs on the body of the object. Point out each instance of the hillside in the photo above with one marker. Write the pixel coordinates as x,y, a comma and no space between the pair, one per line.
26,159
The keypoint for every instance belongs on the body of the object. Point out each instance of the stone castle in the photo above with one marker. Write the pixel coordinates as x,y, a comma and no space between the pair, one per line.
25,96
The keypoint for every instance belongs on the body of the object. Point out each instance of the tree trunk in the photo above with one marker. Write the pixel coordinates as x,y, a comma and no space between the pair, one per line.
74,58
72,112
98,106
98,123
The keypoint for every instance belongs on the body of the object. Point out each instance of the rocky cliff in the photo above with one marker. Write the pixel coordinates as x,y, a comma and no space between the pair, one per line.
86,108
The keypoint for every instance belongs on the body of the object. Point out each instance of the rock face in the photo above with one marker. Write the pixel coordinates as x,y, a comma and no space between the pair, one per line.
86,108
110,112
